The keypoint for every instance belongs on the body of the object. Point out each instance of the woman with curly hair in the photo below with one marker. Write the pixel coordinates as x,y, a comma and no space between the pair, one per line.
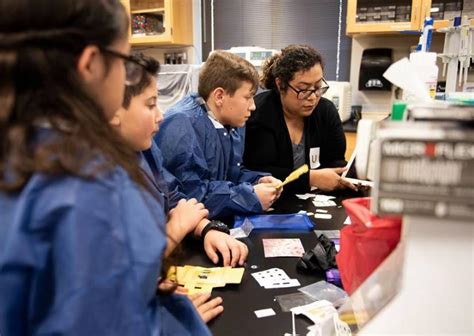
293,125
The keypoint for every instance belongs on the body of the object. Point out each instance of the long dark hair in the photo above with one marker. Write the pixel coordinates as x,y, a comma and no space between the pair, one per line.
40,42
292,59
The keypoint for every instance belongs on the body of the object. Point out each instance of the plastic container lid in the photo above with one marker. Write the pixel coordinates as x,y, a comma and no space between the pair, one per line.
398,111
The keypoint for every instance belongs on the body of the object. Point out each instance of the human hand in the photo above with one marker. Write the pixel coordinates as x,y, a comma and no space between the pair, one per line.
329,179
185,217
233,251
266,194
273,181
207,309
269,179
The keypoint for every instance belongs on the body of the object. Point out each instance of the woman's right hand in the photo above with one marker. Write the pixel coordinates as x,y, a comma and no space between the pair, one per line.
329,179
185,217
266,194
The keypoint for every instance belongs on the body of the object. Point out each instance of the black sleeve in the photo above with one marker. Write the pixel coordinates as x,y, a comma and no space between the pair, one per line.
262,154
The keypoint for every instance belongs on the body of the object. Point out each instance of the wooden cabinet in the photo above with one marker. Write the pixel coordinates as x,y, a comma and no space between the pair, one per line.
160,22
441,23
369,16
389,16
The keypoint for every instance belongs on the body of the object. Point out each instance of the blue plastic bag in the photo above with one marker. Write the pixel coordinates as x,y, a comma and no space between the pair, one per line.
277,222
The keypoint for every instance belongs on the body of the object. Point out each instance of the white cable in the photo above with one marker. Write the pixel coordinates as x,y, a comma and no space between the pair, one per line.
212,25
338,52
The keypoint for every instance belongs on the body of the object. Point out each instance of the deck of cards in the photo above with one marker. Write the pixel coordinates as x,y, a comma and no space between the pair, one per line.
275,278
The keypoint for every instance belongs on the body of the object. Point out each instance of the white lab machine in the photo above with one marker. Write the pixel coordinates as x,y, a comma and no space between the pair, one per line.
340,93
423,172
254,55
457,53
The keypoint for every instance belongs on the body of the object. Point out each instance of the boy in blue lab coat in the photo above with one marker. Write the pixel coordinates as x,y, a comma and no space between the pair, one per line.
202,140
136,121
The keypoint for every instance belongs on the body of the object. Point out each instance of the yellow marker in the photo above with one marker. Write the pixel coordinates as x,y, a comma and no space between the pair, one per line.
294,175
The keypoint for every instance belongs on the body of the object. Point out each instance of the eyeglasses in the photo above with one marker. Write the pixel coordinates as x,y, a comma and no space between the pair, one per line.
305,94
134,69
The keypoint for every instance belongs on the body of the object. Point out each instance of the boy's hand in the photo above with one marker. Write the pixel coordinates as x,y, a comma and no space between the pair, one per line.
233,251
207,309
267,193
273,181
185,217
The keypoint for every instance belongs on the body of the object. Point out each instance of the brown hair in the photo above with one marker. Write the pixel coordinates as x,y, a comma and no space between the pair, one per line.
292,59
39,83
226,70
151,68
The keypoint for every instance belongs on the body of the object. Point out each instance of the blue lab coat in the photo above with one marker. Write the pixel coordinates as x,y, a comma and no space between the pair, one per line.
206,159
160,179
82,257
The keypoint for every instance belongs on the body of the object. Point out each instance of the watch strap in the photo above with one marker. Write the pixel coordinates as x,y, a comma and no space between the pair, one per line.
214,225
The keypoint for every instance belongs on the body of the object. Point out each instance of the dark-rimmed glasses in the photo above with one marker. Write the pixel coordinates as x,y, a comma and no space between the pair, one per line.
305,94
134,69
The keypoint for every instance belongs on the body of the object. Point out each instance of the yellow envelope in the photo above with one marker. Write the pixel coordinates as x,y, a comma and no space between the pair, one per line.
198,288
233,275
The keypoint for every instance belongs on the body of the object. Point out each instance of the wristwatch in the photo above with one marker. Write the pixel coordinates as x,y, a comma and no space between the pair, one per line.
214,225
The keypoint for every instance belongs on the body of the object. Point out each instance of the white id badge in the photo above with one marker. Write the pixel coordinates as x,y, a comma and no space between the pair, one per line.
314,157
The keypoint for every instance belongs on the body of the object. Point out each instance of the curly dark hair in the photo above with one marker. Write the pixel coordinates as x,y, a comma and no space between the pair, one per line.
292,59
151,69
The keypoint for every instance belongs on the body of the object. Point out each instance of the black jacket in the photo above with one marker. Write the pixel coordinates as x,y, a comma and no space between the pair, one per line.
268,144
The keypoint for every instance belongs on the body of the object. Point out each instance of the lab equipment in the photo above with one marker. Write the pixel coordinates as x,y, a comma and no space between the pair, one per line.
427,34
426,69
255,55
458,50
423,172
340,93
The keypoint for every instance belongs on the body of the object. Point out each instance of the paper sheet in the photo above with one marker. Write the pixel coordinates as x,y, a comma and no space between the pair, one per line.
264,312
323,216
285,247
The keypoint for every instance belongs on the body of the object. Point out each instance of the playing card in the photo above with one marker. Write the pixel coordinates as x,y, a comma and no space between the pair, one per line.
272,275
264,312
283,284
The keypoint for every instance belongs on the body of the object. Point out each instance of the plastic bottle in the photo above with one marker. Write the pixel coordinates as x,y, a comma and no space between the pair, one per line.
427,35
427,70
